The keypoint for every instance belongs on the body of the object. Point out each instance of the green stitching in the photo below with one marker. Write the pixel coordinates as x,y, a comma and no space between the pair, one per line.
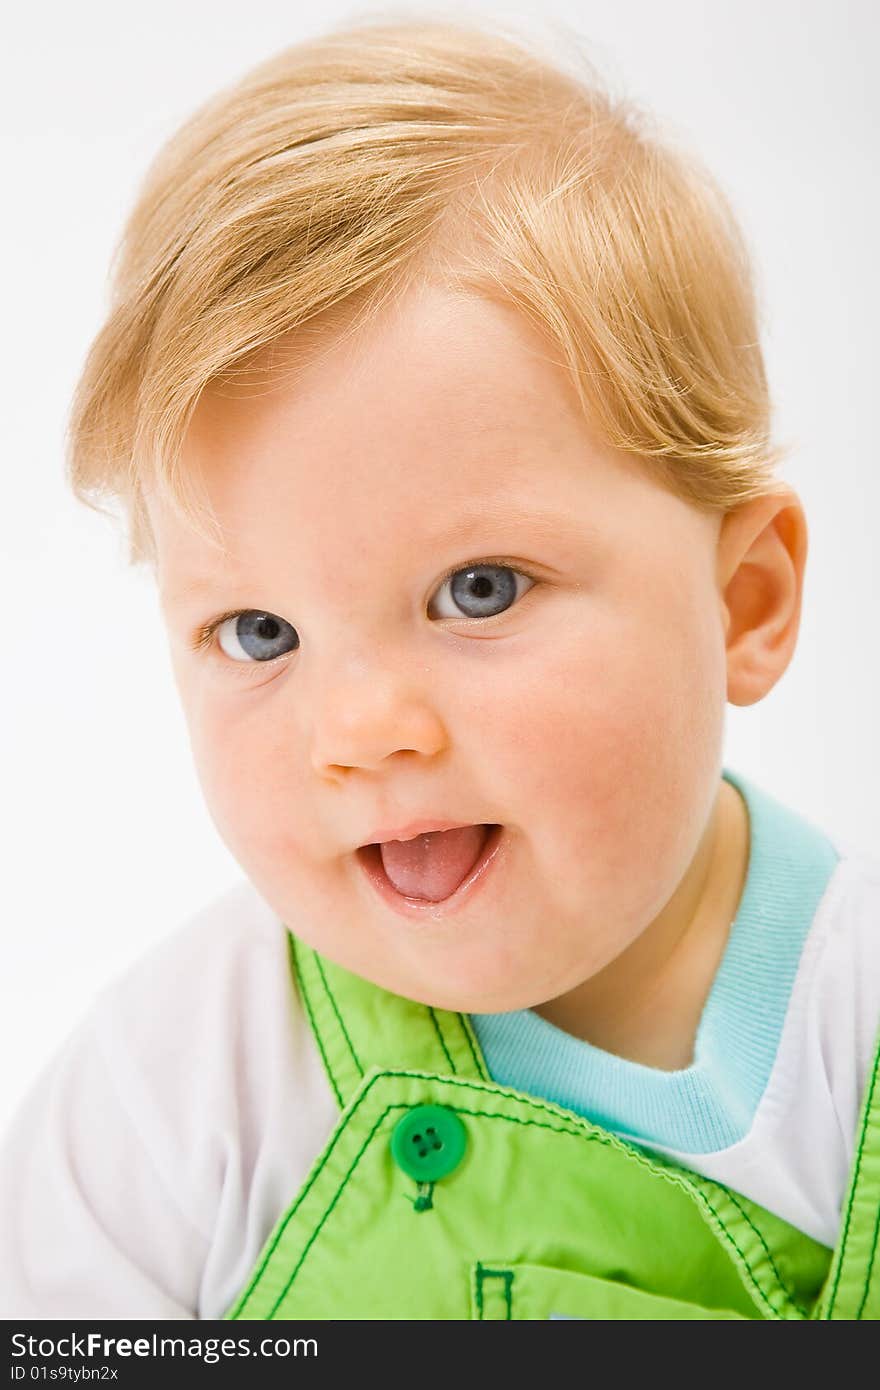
574,1124
305,997
479,1063
507,1275
582,1129
433,1017
870,1274
316,1172
320,966
304,1191
794,1303
282,1227
476,1053
686,1182
424,1201
279,1300
452,1066
854,1187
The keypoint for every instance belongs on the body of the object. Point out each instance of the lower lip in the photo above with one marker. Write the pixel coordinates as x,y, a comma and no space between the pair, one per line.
370,860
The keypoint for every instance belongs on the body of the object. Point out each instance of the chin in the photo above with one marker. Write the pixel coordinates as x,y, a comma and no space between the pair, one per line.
467,999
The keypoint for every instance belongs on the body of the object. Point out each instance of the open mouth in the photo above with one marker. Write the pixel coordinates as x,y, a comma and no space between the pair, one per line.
433,871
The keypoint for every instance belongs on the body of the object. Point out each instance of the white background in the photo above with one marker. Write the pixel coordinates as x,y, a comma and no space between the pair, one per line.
107,844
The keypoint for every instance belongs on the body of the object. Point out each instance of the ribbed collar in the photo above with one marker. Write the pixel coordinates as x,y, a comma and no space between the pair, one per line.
710,1104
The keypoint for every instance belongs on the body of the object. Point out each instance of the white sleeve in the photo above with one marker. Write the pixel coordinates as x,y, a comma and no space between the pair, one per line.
147,1167
88,1224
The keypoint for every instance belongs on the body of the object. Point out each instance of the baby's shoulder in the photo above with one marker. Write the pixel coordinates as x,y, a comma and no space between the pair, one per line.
175,1123
204,1039
208,1050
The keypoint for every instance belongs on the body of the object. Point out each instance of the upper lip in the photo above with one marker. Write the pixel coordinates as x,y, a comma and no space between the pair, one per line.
414,828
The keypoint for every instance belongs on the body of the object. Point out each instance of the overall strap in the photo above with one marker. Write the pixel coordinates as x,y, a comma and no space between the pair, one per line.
358,1026
853,1287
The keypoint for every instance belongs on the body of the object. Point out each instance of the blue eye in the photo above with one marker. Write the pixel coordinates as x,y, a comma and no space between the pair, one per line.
484,591
256,636
253,636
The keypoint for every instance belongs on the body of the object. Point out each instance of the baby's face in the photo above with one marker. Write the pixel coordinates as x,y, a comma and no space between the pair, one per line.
571,690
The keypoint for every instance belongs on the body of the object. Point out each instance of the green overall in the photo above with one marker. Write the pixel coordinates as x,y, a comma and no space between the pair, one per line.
441,1195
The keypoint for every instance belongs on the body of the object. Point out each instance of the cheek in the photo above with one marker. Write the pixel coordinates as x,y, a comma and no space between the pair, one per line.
248,774
606,749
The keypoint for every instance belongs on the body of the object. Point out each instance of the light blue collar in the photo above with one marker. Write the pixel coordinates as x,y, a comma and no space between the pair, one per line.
710,1104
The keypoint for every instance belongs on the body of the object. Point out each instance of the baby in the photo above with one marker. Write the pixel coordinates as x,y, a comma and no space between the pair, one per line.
432,393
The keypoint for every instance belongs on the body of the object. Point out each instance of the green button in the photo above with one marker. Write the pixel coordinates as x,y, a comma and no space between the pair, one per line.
428,1142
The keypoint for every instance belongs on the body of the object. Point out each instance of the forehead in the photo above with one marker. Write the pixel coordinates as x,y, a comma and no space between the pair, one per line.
447,407
437,365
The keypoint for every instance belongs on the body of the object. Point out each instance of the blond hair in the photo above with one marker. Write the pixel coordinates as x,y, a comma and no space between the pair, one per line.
332,175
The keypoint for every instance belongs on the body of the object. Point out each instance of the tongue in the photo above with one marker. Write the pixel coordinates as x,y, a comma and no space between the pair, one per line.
432,866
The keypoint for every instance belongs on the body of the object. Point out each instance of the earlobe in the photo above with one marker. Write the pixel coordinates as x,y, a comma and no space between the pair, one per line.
762,552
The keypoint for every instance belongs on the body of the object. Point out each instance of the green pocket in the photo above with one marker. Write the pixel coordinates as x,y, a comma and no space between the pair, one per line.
538,1292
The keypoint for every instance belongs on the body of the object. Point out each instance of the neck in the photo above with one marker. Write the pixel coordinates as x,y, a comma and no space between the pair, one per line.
646,1004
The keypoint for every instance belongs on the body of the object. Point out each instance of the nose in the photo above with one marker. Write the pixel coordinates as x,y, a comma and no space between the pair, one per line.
362,717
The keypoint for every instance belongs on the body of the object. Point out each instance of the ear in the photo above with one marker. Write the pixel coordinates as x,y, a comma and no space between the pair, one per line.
762,551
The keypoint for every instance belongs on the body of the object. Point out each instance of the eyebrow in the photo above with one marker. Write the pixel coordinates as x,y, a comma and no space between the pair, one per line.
466,526
204,584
